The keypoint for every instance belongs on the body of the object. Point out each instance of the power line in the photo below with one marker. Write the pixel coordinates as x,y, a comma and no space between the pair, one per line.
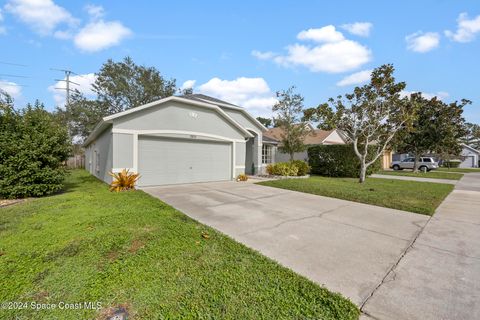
13,64
12,75
67,81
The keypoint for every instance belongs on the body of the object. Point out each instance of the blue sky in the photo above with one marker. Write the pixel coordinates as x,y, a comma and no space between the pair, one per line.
245,51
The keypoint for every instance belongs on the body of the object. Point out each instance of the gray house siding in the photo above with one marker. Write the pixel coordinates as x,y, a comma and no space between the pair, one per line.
284,157
122,150
254,149
99,156
239,158
179,116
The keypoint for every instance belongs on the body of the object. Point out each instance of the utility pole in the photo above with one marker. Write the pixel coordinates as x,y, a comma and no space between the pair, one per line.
67,83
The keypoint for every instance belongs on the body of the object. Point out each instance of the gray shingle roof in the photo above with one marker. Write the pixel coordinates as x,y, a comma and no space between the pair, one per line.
202,97
269,140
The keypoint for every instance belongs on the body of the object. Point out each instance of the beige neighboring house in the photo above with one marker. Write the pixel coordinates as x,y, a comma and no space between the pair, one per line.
316,137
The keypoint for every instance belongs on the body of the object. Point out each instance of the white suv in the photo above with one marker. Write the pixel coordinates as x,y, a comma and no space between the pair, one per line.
424,164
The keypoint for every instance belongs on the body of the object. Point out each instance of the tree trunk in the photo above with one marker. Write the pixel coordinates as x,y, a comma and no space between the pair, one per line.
415,163
291,156
363,171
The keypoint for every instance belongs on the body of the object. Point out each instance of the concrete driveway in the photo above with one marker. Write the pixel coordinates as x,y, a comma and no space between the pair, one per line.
346,246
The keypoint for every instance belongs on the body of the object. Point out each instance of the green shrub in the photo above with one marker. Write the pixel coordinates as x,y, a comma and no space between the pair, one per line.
303,167
338,160
451,163
33,146
291,168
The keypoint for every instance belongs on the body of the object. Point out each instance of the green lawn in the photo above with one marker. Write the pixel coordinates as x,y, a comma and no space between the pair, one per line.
462,170
129,249
432,174
419,197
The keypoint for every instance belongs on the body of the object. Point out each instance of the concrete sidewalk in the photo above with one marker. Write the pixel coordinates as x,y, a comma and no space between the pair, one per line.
387,176
439,276
347,246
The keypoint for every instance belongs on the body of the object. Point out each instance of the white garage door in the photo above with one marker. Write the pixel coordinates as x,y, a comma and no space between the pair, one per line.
172,161
468,162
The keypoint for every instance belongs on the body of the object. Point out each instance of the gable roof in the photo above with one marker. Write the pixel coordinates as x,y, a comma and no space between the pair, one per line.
221,103
470,148
108,120
316,136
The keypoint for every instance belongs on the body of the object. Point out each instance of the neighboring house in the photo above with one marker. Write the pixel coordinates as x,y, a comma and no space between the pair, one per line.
470,157
192,138
316,137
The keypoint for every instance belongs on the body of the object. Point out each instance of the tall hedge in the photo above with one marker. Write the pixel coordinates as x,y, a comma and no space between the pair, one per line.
338,160
33,146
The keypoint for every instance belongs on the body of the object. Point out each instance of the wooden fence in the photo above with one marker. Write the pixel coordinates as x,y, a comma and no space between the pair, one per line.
76,162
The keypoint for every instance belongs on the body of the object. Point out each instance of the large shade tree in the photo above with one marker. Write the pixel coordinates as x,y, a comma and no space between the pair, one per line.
370,116
436,128
119,86
288,116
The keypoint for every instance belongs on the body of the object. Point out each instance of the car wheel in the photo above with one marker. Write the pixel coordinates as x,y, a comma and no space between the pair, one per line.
396,167
423,168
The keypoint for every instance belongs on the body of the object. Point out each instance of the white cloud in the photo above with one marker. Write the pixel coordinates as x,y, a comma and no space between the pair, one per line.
441,95
42,16
99,35
334,57
188,84
95,12
11,88
422,42
466,29
84,81
324,34
47,18
253,94
332,53
355,78
361,29
263,55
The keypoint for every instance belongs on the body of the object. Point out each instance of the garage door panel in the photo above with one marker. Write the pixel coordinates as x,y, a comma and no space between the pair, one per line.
173,161
468,162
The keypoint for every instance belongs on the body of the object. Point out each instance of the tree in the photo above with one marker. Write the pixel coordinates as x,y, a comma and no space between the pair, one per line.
33,146
326,117
119,86
472,135
124,85
81,116
289,111
267,122
186,91
436,128
370,116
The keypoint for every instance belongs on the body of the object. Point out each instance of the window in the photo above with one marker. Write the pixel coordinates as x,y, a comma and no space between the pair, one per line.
408,160
267,153
426,160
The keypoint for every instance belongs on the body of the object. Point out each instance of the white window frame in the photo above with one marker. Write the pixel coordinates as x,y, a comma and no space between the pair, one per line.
267,154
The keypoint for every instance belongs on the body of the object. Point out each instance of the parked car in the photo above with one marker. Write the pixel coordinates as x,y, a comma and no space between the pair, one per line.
424,164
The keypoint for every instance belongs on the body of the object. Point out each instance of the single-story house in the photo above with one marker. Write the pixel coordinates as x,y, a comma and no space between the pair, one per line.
179,139
470,157
315,137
